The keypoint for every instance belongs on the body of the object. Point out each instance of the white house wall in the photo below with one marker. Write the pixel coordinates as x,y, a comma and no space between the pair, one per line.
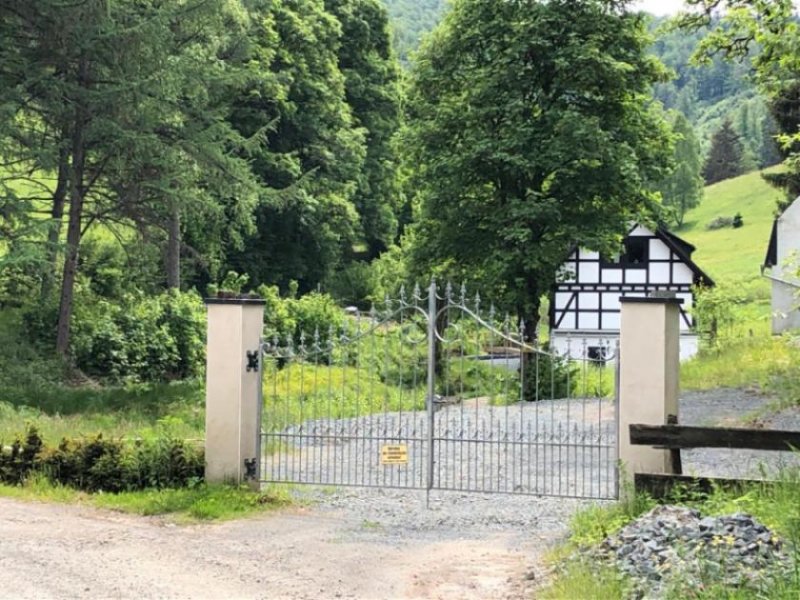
785,314
575,346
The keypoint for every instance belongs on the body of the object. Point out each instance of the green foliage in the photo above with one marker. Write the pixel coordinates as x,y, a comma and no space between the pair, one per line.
142,338
496,141
581,580
763,362
148,411
354,285
98,464
411,20
774,504
725,157
713,311
291,317
683,189
549,376
372,91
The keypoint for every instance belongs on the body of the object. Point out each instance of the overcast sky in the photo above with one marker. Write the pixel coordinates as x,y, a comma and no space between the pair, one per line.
660,7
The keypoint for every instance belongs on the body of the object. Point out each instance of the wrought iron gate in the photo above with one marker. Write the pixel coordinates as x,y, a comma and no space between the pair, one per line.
432,392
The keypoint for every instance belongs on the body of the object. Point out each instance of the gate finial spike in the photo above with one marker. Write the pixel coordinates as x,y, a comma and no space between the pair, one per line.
403,294
417,294
463,294
330,337
316,339
477,302
448,292
289,345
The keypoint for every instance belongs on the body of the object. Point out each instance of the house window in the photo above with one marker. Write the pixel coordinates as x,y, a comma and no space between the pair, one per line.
635,251
597,354
635,254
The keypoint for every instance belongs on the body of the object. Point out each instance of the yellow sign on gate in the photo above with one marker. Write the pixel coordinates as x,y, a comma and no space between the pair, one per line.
394,454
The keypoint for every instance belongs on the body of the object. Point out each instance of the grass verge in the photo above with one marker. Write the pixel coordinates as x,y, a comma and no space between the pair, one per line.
185,505
763,362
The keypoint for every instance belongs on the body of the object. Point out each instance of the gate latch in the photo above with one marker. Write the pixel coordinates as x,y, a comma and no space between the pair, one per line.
252,360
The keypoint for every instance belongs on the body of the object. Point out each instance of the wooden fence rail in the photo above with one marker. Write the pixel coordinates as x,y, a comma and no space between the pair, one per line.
684,436
676,437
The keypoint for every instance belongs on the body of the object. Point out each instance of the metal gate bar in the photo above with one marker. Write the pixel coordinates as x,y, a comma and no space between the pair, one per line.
431,393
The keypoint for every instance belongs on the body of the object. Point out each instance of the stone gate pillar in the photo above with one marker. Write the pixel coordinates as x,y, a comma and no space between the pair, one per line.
233,378
648,379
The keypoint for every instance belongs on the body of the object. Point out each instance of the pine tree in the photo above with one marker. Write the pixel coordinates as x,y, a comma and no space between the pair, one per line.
725,155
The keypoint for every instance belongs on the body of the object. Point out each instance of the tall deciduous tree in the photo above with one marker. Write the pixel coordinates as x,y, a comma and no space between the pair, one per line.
725,155
372,92
531,129
683,189
313,151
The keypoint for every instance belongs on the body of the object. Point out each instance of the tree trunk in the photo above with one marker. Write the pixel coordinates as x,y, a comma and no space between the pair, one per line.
173,258
57,214
75,215
530,331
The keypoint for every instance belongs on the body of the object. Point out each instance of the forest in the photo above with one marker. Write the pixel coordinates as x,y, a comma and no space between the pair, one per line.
322,153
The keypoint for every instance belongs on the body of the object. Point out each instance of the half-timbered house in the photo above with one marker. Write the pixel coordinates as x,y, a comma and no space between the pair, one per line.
585,306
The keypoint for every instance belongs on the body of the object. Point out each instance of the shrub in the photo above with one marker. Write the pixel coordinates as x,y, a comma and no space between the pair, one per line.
735,221
720,223
138,338
98,464
354,285
713,311
291,317
549,376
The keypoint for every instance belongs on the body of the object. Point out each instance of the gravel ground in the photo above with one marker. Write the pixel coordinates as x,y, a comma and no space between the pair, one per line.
731,408
351,543
397,515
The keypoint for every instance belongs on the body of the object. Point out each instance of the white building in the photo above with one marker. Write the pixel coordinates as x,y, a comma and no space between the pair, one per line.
585,302
781,266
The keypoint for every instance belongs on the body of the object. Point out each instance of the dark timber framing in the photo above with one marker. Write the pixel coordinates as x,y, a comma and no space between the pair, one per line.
574,299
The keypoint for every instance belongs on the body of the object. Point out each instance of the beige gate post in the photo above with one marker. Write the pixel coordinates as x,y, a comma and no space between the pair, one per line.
233,377
648,379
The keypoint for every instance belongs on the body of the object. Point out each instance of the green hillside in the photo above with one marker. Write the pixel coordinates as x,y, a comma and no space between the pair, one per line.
733,257
733,254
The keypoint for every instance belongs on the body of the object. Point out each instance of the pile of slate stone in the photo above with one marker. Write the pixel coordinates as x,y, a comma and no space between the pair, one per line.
672,543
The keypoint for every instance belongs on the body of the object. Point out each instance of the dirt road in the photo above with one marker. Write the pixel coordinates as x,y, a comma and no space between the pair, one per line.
55,551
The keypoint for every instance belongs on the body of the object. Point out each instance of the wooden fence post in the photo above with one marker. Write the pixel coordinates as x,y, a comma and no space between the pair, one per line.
648,380
232,380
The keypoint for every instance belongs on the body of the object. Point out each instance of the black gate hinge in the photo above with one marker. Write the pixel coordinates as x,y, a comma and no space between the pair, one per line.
252,360
249,468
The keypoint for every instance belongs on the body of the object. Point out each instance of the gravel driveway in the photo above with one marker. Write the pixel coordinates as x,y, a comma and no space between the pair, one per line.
352,543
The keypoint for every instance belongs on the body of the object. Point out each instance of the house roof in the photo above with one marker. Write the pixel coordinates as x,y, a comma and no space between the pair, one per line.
681,247
771,259
684,250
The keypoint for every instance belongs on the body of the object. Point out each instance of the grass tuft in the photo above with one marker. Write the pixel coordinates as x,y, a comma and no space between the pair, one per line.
200,503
